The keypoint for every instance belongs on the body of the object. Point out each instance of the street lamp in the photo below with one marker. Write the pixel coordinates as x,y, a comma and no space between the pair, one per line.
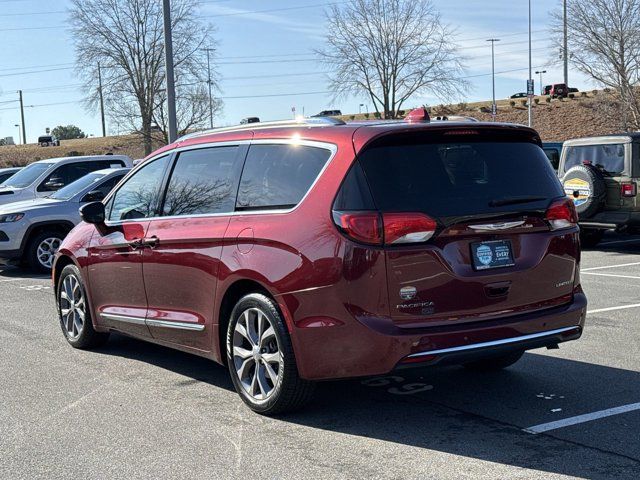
530,83
360,108
494,107
540,72
17,125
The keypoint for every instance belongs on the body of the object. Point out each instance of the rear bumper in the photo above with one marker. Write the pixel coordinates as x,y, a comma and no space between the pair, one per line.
372,347
618,220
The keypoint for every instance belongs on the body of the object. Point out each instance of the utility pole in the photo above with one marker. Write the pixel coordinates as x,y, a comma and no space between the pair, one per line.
494,107
104,128
168,60
24,129
530,90
565,47
209,84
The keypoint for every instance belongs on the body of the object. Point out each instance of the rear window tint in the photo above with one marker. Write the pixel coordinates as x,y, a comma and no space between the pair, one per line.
609,157
459,178
278,176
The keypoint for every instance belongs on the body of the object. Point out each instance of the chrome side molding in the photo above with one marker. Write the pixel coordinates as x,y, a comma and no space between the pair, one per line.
194,327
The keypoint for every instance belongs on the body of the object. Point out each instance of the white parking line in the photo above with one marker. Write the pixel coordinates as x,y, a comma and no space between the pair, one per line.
610,266
610,309
609,275
587,417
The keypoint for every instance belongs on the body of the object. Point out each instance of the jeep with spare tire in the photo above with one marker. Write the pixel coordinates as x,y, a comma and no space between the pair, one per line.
601,175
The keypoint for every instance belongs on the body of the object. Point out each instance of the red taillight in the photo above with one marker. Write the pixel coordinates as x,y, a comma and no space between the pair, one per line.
389,228
407,227
562,214
365,227
628,189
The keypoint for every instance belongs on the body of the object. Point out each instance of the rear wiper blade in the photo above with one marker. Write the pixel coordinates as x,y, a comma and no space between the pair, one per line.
501,202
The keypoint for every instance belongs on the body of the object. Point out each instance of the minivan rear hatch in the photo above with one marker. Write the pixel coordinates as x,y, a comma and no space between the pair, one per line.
473,220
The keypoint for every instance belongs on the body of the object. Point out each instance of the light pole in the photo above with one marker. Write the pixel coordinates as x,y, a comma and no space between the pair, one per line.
494,107
168,60
565,45
360,108
209,84
530,85
540,72
17,125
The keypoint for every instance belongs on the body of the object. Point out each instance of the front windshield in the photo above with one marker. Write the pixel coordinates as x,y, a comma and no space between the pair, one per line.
26,176
71,190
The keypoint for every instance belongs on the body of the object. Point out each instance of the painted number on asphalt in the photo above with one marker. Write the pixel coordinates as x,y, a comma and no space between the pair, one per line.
397,385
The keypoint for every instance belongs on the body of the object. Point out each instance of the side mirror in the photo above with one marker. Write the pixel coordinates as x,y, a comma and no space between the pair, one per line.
93,196
54,184
93,213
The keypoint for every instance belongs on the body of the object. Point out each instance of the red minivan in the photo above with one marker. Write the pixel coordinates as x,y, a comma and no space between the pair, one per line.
299,252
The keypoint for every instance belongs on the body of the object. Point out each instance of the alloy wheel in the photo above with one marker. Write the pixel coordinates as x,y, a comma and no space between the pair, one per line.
256,354
47,250
72,307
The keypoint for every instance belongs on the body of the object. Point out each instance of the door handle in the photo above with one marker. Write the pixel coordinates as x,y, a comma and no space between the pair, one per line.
151,242
136,243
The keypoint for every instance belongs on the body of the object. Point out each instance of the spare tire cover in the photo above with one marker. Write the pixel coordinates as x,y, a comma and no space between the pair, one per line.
586,186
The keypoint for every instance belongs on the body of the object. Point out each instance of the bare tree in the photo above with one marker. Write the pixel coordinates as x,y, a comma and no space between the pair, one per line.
391,50
604,43
125,37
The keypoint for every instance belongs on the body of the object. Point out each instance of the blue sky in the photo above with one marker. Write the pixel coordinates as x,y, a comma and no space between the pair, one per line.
269,41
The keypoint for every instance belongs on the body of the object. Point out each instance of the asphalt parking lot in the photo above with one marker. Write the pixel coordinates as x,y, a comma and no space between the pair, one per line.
134,410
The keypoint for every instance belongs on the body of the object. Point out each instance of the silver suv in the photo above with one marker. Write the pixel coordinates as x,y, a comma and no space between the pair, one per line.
31,231
41,179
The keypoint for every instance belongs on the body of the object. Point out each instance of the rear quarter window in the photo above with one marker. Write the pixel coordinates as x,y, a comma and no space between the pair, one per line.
279,176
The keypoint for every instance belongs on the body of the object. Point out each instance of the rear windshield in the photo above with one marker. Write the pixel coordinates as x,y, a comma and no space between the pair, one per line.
609,158
460,178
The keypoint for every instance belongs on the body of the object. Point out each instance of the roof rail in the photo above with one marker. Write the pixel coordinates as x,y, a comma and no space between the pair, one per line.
302,122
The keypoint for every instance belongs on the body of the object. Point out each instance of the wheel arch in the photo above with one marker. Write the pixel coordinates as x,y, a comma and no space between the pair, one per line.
64,226
233,293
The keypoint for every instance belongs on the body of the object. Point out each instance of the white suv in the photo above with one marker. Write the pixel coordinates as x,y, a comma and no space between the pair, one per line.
41,179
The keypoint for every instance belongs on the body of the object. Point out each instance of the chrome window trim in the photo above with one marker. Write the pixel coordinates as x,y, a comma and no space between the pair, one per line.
331,147
494,343
196,327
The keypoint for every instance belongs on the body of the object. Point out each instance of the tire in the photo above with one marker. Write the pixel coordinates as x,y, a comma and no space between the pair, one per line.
495,363
72,306
254,353
590,237
586,186
41,250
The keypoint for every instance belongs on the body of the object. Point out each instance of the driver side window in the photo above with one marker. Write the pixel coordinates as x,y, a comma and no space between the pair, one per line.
138,197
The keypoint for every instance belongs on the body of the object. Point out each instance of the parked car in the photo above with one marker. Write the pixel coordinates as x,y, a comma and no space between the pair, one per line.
547,89
559,90
297,252
573,90
48,141
32,230
519,95
328,113
553,150
601,174
41,179
6,173
247,120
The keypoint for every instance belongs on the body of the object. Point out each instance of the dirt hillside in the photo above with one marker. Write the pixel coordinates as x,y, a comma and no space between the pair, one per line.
556,120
